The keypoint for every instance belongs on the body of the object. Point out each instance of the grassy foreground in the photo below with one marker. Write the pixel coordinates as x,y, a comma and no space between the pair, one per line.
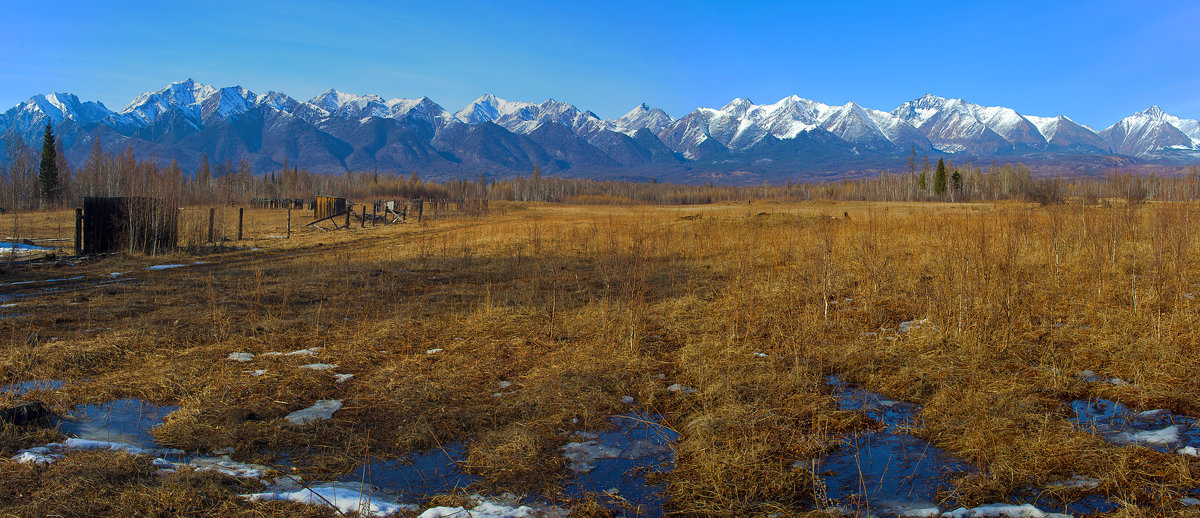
578,306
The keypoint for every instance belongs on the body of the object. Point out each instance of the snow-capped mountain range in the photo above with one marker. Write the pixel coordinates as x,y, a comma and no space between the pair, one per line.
337,131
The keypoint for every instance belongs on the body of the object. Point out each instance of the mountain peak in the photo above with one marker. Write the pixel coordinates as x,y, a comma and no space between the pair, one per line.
738,105
1154,112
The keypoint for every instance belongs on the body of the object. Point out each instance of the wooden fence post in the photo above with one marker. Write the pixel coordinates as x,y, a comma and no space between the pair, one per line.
348,211
374,213
241,213
363,223
212,214
78,231
289,228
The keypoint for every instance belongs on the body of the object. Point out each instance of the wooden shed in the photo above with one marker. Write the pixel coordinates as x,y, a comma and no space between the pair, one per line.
327,206
129,224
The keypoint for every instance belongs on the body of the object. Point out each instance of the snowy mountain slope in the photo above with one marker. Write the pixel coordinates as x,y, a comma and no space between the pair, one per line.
529,118
338,131
1148,132
489,108
1063,133
953,125
643,116
186,96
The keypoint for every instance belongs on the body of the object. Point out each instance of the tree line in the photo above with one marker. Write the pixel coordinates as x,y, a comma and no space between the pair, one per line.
31,180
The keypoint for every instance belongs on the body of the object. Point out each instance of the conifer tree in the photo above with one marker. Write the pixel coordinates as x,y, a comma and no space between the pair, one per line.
921,182
939,180
48,172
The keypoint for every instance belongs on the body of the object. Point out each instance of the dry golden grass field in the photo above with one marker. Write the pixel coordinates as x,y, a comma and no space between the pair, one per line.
572,309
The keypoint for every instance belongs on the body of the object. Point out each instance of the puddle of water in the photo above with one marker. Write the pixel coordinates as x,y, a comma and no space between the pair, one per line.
127,421
417,477
24,387
637,447
885,470
1155,429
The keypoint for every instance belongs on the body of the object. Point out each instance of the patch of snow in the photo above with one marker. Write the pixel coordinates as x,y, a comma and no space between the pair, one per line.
342,378
1189,501
22,248
909,325
582,456
302,352
1190,451
1076,482
1002,511
761,355
321,410
241,357
682,389
628,400
345,500
165,266
37,455
230,467
319,366
1168,435
924,512
490,510
504,384
433,351
258,372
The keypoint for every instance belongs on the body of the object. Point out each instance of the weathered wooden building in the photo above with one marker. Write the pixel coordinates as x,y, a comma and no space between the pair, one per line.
327,206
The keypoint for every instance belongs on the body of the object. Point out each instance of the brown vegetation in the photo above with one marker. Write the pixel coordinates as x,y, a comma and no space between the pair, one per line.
578,306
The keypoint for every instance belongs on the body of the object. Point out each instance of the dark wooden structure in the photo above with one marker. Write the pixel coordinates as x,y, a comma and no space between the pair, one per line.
129,224
328,206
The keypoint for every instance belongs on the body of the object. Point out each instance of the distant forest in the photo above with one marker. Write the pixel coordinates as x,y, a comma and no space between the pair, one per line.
23,184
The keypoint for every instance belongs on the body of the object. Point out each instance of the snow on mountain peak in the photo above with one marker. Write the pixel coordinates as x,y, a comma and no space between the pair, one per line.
1154,112
642,116
488,108
186,95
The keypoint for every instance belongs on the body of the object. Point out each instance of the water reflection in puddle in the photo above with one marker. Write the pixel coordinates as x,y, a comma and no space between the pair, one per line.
617,463
883,470
1156,429
126,421
418,476
21,388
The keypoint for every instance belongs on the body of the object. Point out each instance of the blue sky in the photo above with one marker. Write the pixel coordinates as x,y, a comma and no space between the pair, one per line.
1094,61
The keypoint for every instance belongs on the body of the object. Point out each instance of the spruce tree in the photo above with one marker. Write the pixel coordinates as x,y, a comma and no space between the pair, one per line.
921,182
48,173
939,180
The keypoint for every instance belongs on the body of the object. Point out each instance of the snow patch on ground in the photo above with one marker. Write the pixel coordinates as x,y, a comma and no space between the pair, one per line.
241,357
433,351
910,325
1077,482
1002,511
345,500
487,509
682,389
1168,435
165,266
320,411
319,366
304,352
582,456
